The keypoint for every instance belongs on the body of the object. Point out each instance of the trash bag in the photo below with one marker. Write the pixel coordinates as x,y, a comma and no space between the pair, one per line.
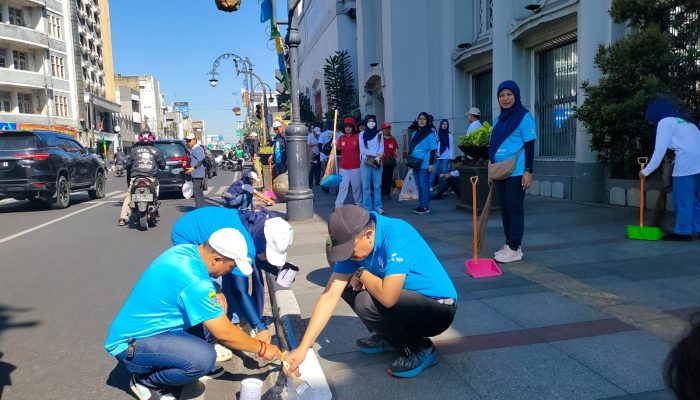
409,191
187,190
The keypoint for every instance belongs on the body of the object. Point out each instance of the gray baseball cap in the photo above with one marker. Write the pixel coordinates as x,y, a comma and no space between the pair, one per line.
344,225
474,111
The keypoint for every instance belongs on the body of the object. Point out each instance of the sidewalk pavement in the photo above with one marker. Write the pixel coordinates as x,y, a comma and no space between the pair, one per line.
587,314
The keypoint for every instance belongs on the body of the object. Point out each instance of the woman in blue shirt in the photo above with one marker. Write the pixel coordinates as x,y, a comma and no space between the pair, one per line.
513,136
423,146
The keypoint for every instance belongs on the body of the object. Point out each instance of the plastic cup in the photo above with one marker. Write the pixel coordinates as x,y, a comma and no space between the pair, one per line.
251,389
287,275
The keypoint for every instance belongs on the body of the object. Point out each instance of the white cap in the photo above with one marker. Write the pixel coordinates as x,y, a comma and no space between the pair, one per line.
230,243
254,134
252,175
190,136
276,124
474,111
279,236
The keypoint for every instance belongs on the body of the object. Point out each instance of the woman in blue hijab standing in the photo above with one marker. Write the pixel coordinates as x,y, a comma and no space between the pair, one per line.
445,152
371,153
675,131
514,133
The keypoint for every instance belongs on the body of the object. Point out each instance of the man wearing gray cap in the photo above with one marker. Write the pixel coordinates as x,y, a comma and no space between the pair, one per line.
474,120
398,289
155,333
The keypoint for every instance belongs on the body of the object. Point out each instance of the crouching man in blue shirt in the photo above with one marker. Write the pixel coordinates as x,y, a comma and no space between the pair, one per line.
397,287
151,333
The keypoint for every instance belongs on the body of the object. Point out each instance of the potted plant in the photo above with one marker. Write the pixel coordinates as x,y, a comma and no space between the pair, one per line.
476,144
265,152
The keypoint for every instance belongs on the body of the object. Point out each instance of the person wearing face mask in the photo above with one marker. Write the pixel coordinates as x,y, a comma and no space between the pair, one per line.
445,152
395,284
371,154
348,148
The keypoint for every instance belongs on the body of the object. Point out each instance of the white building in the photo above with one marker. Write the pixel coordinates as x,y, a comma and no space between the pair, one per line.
129,119
446,56
325,26
152,107
37,71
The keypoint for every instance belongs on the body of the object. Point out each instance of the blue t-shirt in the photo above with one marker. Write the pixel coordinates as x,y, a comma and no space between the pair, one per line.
422,149
174,293
526,131
196,226
400,249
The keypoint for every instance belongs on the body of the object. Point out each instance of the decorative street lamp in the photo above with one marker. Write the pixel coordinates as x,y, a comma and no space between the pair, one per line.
236,60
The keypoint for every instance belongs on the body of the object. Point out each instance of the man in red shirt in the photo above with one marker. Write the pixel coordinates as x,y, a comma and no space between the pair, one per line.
349,150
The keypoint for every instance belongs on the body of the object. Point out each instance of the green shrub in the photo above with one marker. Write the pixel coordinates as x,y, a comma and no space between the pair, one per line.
479,137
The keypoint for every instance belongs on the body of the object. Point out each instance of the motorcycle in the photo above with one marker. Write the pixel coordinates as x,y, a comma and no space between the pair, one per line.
119,169
144,202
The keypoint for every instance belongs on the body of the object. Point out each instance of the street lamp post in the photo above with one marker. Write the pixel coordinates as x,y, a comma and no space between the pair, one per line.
300,199
236,60
265,113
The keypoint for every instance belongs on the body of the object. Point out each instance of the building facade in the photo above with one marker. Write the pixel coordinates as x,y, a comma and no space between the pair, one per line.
446,56
152,107
129,119
90,35
325,27
37,72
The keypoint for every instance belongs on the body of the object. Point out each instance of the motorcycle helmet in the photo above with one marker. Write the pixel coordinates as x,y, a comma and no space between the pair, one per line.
147,136
119,149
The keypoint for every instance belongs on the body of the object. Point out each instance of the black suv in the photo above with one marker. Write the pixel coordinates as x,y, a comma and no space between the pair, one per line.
177,157
47,166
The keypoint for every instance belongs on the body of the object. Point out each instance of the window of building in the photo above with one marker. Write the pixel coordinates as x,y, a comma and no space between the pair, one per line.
24,103
61,106
5,105
3,58
135,106
556,83
482,94
58,69
55,26
20,61
16,16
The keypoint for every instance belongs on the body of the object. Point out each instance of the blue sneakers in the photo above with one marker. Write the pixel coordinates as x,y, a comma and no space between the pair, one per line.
373,345
412,363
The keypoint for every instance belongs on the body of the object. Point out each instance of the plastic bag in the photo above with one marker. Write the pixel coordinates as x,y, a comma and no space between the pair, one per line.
187,189
409,191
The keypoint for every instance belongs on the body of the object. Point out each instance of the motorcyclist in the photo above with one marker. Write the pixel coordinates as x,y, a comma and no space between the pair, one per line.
143,162
119,156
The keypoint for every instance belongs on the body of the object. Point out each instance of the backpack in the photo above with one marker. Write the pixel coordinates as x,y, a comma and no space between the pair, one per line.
327,147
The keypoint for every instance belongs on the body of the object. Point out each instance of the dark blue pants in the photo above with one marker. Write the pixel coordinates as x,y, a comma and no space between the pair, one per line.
686,202
170,359
446,183
511,198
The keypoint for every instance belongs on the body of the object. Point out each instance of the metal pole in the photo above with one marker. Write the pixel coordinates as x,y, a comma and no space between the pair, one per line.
300,199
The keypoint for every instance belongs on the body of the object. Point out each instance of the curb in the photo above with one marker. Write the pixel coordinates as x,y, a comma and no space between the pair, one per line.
290,327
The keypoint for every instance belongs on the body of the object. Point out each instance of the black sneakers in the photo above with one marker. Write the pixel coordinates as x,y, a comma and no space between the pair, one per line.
373,344
412,362
421,210
144,392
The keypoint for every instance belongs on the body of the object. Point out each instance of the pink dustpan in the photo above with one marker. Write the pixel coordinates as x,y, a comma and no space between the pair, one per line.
475,267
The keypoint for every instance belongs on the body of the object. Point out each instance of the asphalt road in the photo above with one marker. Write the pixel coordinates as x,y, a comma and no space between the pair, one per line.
64,274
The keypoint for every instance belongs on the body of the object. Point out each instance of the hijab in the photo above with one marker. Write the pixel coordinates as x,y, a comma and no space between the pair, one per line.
421,133
663,108
444,135
369,134
508,120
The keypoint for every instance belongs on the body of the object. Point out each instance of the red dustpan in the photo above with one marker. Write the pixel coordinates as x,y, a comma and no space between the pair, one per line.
486,266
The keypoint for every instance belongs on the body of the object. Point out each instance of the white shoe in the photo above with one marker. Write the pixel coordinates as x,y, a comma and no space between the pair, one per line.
222,353
505,246
379,211
509,255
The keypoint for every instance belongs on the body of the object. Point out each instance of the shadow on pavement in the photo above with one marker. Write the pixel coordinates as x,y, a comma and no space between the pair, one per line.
320,276
6,368
28,206
5,371
119,378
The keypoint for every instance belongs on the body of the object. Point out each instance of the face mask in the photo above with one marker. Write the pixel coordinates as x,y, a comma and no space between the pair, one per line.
371,124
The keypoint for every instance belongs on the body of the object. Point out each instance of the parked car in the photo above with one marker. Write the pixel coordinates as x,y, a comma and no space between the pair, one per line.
177,157
48,166
213,170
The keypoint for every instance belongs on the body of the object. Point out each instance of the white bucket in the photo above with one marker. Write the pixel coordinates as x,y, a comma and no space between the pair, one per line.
251,389
287,275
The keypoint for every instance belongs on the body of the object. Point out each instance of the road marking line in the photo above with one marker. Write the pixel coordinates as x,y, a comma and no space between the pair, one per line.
646,318
222,190
113,193
16,235
209,189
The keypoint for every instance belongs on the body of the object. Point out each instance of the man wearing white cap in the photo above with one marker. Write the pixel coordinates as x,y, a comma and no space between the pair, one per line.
240,194
153,334
268,237
474,120
253,148
197,169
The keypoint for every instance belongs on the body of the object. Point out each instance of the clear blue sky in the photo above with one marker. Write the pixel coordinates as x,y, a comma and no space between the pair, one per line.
177,41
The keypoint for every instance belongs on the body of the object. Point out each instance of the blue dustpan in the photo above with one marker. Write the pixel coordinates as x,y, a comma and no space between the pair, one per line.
332,181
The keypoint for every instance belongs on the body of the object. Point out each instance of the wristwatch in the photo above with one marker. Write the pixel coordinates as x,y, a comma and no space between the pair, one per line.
528,170
359,272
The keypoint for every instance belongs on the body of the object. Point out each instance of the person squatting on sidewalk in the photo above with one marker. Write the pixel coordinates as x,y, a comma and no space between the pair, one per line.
268,238
371,157
514,134
156,332
676,131
240,194
348,148
393,281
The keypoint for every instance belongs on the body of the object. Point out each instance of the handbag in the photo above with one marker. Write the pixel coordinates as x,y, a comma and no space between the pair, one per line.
414,162
372,162
502,170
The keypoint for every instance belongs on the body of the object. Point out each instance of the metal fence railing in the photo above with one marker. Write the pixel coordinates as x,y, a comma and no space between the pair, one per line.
482,94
